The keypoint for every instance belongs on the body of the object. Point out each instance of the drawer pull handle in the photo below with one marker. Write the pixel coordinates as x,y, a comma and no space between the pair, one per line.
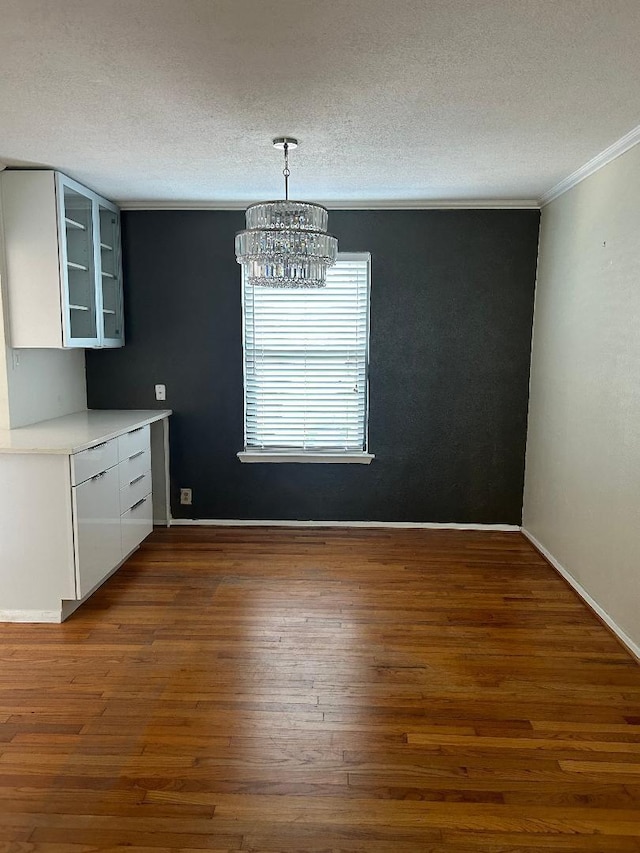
98,476
139,503
137,429
135,455
137,479
97,446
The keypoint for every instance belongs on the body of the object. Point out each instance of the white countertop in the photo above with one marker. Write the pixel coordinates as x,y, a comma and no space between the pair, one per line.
76,432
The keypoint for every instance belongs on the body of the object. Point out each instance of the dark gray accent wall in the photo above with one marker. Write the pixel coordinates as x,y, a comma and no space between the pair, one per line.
451,316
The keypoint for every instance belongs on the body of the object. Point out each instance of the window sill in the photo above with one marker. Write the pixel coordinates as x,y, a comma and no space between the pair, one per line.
340,458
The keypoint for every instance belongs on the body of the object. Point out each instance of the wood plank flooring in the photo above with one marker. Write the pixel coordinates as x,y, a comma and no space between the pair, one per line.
321,690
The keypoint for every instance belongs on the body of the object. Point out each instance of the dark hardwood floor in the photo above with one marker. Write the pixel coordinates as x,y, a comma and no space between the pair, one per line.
318,690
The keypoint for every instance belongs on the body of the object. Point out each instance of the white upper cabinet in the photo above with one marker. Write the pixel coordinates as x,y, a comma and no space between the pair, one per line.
63,260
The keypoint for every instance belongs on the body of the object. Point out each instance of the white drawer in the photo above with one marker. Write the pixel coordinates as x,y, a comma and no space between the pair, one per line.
136,524
133,442
94,460
138,488
133,466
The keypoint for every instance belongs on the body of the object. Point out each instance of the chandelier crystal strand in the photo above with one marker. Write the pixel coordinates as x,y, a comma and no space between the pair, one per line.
285,243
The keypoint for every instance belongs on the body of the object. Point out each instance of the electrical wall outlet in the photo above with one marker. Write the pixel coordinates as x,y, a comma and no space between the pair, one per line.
161,392
185,497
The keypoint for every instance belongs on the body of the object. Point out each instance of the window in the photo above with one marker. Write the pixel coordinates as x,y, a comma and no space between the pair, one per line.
305,368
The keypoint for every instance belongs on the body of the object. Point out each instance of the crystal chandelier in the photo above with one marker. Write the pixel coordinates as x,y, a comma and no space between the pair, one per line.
286,242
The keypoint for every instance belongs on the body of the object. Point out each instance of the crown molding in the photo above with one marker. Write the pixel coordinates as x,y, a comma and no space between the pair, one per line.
629,140
622,145
374,204
594,165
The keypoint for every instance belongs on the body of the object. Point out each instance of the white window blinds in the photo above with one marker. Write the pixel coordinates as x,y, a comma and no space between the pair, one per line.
305,362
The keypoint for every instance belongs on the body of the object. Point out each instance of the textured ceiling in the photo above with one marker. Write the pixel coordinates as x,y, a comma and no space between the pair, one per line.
393,100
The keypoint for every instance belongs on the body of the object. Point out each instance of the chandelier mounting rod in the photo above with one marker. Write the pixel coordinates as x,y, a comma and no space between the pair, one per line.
285,144
286,171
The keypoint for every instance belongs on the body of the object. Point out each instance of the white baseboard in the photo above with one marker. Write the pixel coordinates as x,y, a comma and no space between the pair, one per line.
624,638
30,616
422,525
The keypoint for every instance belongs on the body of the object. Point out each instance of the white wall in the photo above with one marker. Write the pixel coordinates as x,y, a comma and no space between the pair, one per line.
582,488
45,383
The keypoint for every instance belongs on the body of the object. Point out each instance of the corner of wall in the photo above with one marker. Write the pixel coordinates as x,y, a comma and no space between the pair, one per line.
531,351
4,350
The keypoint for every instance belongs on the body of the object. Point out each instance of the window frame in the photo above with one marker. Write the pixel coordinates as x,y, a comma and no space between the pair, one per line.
362,457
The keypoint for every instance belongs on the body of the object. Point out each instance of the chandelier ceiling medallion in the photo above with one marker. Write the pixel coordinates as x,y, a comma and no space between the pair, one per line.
285,243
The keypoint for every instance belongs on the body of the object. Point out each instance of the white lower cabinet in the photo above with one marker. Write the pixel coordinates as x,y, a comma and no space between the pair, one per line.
136,504
98,546
77,498
113,508
137,524
134,466
92,461
133,491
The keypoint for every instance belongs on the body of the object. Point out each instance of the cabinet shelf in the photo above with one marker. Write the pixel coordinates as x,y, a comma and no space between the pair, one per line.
106,247
107,275
108,311
73,266
73,223
79,308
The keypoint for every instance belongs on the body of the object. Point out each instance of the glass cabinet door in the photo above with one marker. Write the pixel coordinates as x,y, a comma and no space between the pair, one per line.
91,280
110,283
78,268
